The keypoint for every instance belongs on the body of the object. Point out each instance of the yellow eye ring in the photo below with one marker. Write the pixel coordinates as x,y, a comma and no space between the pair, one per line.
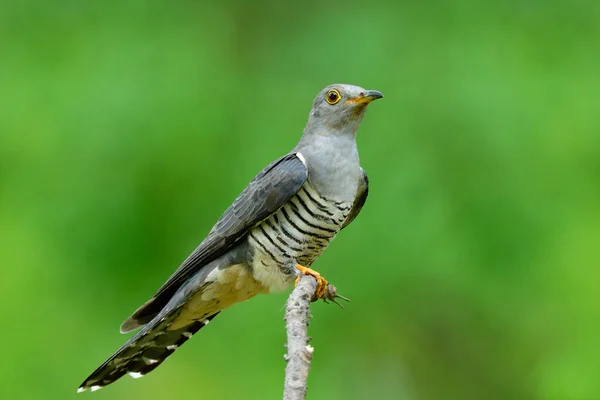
333,97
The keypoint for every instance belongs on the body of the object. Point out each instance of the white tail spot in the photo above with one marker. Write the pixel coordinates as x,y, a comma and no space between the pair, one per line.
187,334
172,347
206,321
81,389
149,361
94,388
135,375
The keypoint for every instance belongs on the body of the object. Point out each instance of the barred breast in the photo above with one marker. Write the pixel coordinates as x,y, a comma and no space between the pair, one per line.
297,233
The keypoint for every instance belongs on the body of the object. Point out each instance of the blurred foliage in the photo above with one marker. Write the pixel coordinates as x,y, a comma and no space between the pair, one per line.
127,127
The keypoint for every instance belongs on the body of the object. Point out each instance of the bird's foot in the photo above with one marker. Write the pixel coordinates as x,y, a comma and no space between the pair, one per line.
322,283
324,290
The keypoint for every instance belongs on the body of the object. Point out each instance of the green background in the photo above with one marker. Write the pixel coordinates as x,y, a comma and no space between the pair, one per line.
127,127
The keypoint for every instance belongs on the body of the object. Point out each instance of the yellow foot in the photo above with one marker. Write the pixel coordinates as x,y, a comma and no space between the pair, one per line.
322,283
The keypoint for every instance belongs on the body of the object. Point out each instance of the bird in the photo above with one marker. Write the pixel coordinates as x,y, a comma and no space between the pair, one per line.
267,238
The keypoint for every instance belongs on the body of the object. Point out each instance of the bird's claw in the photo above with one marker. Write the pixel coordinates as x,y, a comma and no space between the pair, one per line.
324,290
322,283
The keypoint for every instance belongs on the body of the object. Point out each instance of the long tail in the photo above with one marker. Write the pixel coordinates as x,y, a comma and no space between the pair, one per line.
145,351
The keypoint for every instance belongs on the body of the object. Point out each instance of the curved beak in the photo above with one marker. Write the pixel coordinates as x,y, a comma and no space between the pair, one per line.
367,97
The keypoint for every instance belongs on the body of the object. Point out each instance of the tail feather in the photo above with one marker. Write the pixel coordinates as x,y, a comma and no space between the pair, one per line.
144,314
145,351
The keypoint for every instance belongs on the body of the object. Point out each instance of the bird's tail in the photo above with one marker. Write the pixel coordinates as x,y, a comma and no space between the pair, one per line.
145,351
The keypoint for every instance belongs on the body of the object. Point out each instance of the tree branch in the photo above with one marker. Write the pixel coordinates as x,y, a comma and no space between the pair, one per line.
297,313
299,352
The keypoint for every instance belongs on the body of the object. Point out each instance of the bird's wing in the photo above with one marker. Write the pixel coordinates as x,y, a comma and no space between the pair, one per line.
264,195
361,197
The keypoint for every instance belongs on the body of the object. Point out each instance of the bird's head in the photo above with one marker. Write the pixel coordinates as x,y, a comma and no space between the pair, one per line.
339,109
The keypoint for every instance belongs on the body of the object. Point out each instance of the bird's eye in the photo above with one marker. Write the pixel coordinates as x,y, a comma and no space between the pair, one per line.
333,96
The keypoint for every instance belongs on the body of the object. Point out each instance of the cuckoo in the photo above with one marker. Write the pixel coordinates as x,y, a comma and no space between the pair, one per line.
273,232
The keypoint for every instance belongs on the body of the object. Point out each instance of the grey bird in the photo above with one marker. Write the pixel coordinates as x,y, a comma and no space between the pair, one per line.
274,231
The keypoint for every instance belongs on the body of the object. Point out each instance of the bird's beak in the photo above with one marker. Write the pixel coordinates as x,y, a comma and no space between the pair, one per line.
366,98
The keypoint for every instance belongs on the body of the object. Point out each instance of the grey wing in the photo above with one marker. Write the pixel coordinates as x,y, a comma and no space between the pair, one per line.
361,197
264,195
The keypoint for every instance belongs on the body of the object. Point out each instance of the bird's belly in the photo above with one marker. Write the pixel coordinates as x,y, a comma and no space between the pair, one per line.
222,288
296,234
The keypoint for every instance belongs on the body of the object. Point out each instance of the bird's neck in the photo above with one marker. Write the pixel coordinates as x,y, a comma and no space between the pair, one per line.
333,164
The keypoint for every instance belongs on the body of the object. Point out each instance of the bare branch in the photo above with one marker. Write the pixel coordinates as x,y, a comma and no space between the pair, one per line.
299,352
297,313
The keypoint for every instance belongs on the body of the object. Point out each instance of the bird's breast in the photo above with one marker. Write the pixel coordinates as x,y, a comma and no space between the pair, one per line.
296,234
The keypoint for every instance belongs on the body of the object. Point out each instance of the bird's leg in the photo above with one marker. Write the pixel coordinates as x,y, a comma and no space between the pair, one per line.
322,283
324,290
